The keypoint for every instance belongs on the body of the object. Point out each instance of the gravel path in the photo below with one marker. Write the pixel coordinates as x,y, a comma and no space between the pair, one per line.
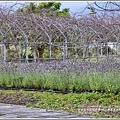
19,111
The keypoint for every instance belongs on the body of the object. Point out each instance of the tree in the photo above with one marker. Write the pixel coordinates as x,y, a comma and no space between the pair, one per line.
30,7
46,9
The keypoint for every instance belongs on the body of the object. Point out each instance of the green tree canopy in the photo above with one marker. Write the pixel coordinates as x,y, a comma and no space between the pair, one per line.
92,10
46,9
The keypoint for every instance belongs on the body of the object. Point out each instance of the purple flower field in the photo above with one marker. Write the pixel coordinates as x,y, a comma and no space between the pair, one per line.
62,76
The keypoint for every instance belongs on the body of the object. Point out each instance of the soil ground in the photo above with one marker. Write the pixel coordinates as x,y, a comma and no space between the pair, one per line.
19,98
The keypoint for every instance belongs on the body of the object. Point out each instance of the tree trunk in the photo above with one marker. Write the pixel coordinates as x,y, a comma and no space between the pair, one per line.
40,50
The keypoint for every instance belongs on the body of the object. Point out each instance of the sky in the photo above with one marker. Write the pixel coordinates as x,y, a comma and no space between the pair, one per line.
75,6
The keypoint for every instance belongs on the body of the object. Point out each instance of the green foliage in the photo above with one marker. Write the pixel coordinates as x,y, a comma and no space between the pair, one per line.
49,5
64,12
92,10
30,52
72,102
46,8
30,7
108,82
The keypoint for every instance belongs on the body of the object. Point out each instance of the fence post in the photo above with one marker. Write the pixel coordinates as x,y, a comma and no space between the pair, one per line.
65,50
4,41
66,53
50,50
20,51
27,50
117,52
101,50
34,51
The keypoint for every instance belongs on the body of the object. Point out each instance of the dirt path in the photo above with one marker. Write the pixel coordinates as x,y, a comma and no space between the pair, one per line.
19,111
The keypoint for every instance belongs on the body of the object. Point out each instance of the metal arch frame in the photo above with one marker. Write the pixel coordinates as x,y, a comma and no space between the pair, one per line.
4,42
65,36
95,34
64,42
87,28
70,26
44,31
81,32
117,39
75,28
24,35
50,54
